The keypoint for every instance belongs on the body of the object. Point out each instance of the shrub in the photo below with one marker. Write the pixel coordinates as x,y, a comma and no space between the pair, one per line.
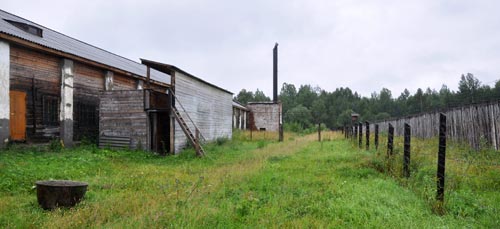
292,127
56,145
221,141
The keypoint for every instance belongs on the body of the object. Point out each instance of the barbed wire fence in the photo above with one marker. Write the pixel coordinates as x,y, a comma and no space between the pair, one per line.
461,157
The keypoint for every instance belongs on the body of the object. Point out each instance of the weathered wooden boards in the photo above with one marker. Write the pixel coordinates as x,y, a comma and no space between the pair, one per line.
476,124
38,75
210,109
122,115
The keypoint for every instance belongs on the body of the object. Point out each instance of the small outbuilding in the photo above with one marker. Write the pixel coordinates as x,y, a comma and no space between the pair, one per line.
354,117
265,116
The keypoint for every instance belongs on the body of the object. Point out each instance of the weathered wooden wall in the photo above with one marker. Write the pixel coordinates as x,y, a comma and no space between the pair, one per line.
122,82
39,75
122,114
88,83
264,116
472,124
209,107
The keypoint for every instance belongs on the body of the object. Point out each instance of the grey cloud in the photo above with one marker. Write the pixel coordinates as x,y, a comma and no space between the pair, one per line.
364,45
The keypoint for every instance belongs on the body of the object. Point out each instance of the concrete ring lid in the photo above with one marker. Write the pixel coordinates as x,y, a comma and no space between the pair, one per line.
61,183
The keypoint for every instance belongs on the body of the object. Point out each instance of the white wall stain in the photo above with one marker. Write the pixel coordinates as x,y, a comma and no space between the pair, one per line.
66,112
108,81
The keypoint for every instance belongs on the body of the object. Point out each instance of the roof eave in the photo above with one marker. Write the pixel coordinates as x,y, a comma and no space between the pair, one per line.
171,68
26,43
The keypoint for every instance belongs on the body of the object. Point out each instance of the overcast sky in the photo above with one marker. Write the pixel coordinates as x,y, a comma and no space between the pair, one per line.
363,45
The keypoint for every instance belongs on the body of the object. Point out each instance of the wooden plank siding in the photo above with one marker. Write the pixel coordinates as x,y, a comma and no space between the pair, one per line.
210,109
123,82
475,124
122,115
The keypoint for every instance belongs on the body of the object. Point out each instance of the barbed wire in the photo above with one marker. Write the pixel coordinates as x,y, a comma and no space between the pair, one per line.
472,161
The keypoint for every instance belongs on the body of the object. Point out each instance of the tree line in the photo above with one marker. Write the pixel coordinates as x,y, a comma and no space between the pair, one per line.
308,105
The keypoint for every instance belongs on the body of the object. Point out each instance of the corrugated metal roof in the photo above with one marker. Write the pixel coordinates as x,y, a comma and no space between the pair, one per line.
58,41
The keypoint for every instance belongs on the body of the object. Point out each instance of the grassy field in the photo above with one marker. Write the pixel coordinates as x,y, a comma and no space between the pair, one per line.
254,183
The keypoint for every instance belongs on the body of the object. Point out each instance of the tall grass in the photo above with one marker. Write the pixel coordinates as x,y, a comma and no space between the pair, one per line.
242,182
472,177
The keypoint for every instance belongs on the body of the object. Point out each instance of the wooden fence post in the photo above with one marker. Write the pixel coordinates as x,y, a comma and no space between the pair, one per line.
390,140
367,135
376,136
351,132
280,134
319,132
441,157
406,159
355,132
346,131
360,134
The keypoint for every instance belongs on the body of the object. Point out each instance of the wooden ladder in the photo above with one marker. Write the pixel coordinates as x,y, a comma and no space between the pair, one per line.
194,139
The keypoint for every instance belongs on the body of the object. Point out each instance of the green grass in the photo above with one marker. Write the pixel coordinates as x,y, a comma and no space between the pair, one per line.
243,183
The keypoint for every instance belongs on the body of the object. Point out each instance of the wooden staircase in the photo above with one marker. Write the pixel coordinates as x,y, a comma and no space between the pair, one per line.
193,138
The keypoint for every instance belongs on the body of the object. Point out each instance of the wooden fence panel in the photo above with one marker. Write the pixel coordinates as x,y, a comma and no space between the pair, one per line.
475,124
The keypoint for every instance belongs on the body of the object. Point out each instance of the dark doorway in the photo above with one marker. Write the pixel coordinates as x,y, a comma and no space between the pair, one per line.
158,106
160,132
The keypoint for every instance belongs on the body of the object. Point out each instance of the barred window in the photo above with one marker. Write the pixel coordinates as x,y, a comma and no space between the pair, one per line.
50,110
87,114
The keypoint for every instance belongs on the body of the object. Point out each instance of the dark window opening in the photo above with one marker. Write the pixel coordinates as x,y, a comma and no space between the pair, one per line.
27,28
50,111
87,115
262,129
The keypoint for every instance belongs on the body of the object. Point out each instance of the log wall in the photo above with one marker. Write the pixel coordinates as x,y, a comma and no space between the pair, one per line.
39,75
88,83
123,82
475,124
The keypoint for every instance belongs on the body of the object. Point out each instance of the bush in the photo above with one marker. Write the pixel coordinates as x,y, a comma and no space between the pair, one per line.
221,141
298,128
292,127
56,145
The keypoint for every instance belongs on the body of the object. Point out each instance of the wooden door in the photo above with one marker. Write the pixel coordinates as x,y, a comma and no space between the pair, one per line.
18,115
